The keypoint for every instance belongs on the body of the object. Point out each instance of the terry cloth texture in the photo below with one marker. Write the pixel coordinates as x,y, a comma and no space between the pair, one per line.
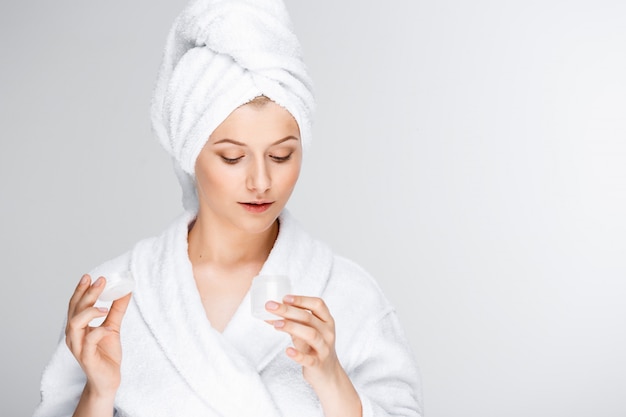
176,364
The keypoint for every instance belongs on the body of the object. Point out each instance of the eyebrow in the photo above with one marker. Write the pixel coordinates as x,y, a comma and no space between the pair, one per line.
234,142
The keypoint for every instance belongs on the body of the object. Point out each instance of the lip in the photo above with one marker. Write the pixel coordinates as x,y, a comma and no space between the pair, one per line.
257,206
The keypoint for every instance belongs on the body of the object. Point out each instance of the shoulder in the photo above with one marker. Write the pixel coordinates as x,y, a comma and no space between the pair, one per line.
361,311
354,296
116,265
347,274
123,261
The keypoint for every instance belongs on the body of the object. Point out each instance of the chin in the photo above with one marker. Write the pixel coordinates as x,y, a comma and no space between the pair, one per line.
256,227
256,224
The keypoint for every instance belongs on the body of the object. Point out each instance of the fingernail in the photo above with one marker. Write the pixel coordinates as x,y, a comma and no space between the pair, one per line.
98,282
271,305
279,323
103,309
83,280
289,299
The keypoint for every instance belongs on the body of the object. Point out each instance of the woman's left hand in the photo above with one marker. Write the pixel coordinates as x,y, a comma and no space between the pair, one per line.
312,329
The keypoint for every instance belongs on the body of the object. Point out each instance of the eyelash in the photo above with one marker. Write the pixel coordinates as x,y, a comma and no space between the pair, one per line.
279,159
231,161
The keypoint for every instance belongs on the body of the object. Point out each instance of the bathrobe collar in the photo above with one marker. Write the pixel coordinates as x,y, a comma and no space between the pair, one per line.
217,365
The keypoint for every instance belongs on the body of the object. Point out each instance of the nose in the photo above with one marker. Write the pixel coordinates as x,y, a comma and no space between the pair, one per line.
259,178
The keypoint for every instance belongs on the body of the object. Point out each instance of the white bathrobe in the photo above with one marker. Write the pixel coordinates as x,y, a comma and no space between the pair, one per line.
176,364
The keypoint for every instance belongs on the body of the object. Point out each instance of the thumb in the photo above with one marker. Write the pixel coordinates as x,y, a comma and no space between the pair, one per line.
116,313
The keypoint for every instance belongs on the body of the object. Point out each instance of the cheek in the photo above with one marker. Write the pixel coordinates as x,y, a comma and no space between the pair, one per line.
290,176
214,180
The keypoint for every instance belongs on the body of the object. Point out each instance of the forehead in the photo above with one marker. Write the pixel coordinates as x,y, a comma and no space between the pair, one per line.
254,123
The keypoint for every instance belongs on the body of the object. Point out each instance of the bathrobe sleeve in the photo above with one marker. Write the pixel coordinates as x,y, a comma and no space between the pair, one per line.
386,375
371,343
62,384
63,379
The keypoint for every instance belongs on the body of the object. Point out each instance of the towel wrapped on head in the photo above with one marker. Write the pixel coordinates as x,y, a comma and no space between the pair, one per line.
219,55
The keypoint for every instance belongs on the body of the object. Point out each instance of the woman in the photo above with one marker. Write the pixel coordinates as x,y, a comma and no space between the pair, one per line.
233,106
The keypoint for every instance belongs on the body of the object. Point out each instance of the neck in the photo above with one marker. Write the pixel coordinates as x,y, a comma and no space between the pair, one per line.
214,242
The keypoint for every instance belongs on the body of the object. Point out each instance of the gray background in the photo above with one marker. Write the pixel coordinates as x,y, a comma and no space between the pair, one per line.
470,155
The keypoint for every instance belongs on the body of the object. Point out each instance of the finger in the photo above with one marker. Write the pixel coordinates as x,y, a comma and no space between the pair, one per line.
301,358
309,335
82,286
316,305
116,313
295,314
92,340
91,295
301,345
77,327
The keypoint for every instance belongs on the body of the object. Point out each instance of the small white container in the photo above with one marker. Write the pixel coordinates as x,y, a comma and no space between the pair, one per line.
268,288
117,286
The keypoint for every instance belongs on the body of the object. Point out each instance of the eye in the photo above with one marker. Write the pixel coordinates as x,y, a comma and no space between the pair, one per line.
279,159
230,161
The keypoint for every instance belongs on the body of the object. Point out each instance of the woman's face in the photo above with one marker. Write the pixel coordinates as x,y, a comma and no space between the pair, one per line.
249,166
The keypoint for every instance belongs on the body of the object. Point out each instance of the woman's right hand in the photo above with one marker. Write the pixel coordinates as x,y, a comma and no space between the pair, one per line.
97,349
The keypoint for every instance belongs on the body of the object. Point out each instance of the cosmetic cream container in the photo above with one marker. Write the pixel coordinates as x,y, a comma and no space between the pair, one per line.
268,288
117,286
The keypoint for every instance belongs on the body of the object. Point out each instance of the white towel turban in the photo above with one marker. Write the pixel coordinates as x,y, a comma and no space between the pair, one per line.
219,55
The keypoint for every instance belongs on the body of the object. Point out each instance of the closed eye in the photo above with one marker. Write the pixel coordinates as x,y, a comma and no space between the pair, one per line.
281,158
231,160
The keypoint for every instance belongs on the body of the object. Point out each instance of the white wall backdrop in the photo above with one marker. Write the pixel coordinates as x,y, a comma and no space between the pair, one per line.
471,155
